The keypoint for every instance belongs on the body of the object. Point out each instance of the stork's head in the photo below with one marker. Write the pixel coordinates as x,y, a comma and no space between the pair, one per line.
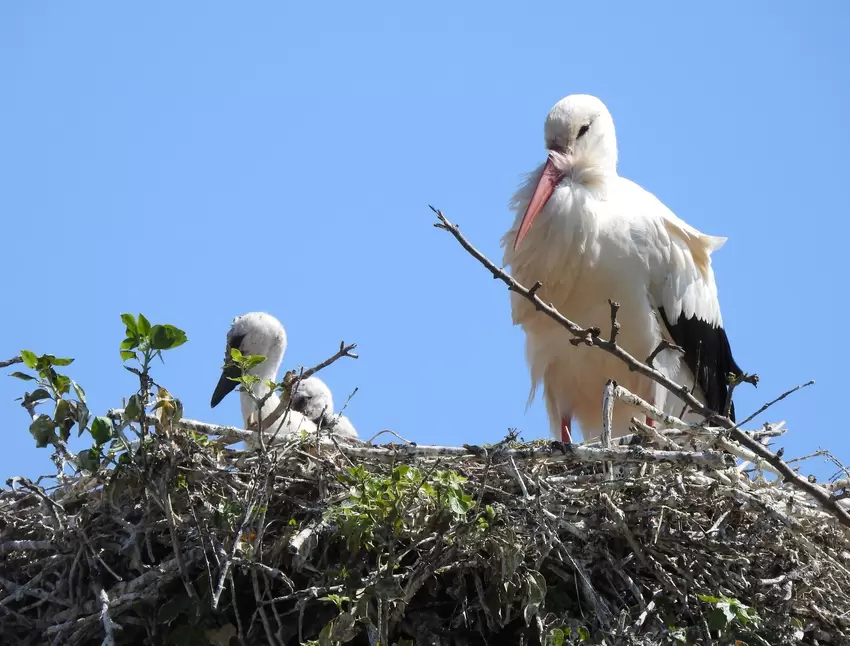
255,333
582,145
313,398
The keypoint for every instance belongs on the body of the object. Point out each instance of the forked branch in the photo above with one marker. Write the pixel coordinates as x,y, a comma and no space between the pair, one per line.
283,407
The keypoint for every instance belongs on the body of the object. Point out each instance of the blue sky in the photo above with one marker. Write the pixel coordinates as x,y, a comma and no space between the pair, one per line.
198,160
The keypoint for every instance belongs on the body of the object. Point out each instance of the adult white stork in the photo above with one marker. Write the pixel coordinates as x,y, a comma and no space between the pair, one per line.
259,333
589,235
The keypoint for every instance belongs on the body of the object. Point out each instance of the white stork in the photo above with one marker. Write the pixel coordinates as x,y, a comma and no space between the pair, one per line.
259,333
589,235
312,397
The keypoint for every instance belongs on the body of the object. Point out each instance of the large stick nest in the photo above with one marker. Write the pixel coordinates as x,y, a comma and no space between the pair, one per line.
193,543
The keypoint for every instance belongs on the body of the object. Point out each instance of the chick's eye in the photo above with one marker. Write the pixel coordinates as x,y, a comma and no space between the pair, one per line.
583,130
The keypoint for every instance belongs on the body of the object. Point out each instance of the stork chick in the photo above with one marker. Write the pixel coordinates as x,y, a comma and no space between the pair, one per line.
589,235
259,333
313,398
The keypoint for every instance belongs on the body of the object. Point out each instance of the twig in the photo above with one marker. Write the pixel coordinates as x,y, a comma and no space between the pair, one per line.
10,362
608,403
520,479
106,620
393,433
591,337
255,584
229,560
774,401
664,345
344,351
175,545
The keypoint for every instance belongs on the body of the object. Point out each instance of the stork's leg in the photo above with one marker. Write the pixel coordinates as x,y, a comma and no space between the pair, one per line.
649,421
566,433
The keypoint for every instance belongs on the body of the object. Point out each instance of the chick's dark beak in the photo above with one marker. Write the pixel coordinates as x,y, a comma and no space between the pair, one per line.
225,383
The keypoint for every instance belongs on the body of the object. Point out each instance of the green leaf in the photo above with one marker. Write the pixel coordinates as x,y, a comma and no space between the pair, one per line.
708,598
78,389
61,383
130,322
61,362
717,620
30,360
129,343
101,430
89,459
556,637
144,325
37,395
236,355
133,410
166,337
22,375
251,361
64,418
126,355
725,607
83,416
42,430
536,585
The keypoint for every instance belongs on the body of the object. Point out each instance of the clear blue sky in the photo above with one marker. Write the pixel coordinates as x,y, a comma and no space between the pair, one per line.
198,160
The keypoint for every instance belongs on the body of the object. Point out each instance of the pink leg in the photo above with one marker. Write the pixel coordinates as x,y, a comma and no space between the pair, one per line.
649,421
566,434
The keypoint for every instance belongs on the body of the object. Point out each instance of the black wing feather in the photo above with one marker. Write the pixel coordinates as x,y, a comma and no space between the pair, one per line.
708,355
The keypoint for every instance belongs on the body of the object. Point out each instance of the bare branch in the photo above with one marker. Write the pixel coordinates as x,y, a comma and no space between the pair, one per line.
608,402
283,407
10,362
615,324
774,401
587,336
664,345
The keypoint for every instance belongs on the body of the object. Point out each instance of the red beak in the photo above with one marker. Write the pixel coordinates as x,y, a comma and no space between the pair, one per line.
545,186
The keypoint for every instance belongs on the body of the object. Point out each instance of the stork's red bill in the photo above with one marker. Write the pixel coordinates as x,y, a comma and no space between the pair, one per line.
589,235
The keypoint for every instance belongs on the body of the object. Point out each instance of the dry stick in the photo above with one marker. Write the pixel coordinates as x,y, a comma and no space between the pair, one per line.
225,570
106,620
556,451
590,336
344,351
10,362
811,382
175,545
669,420
608,401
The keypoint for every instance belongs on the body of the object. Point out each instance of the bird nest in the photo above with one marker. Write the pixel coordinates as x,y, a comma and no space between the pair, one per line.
316,541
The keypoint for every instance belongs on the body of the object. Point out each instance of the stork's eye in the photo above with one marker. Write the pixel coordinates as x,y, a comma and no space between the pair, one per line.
583,130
